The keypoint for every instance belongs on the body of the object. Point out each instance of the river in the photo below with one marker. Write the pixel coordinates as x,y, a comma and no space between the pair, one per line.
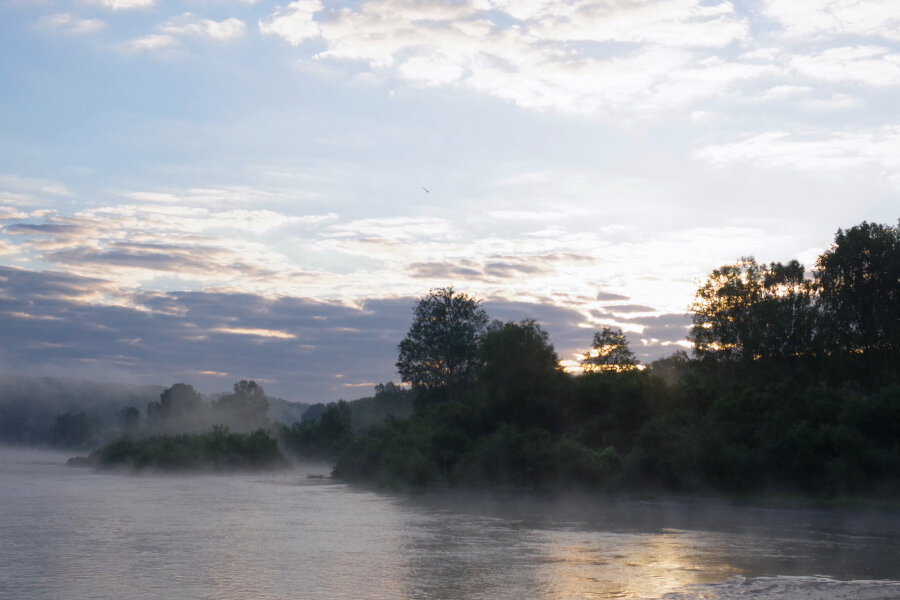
72,534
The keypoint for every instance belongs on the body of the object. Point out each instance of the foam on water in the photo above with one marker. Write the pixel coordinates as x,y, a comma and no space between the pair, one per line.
790,588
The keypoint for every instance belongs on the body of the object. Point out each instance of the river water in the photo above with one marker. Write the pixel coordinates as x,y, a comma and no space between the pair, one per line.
72,534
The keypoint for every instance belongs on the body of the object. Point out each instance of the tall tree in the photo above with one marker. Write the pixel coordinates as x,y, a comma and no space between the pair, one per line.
748,311
245,409
180,409
859,290
609,352
722,311
517,358
440,351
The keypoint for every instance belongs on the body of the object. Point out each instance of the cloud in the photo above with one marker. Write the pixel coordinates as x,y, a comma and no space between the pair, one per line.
397,229
558,55
90,327
629,308
151,42
260,333
610,297
191,25
71,24
478,270
123,4
34,188
296,344
659,334
870,65
834,18
139,242
294,22
814,151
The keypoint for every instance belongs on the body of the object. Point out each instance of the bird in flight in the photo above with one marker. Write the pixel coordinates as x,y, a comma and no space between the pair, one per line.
427,191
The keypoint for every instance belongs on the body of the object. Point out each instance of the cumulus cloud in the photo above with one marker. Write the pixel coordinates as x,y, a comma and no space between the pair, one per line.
72,24
819,150
33,189
832,18
151,42
192,25
138,242
561,55
294,22
123,4
870,65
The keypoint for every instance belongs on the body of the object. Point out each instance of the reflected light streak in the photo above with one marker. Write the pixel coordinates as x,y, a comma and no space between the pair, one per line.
629,565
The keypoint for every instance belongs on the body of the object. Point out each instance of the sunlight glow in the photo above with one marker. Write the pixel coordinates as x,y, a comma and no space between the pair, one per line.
265,333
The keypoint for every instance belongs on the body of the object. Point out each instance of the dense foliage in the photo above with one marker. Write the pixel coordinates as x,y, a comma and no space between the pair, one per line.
793,387
439,353
217,450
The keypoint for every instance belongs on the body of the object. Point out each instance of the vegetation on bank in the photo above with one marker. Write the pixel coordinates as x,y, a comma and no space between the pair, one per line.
794,387
216,450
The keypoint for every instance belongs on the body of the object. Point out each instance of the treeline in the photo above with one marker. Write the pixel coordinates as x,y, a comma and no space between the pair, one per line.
74,414
793,386
182,431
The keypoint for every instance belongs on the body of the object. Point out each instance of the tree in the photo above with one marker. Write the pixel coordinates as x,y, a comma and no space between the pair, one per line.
520,375
609,352
722,310
129,419
517,358
245,409
440,351
71,430
180,408
859,290
748,311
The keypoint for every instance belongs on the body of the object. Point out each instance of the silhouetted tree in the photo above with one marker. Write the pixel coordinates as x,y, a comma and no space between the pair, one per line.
245,409
517,357
180,408
71,430
520,374
748,311
440,351
129,419
609,352
859,289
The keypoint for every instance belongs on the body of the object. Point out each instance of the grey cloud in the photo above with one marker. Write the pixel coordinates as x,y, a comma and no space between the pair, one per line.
665,328
44,229
492,270
463,269
160,257
177,335
28,286
610,297
629,308
509,269
46,328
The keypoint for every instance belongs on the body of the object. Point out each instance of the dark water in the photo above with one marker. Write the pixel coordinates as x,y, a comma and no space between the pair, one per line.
75,534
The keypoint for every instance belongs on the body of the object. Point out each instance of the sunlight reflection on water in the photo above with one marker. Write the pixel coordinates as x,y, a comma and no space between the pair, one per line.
72,533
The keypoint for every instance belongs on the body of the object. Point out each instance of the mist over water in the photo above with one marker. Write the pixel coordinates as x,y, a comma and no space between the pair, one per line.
73,533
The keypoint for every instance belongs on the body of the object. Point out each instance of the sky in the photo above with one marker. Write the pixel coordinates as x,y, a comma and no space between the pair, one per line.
203,191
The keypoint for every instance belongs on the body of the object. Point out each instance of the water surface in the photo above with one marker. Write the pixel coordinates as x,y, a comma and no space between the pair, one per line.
77,534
